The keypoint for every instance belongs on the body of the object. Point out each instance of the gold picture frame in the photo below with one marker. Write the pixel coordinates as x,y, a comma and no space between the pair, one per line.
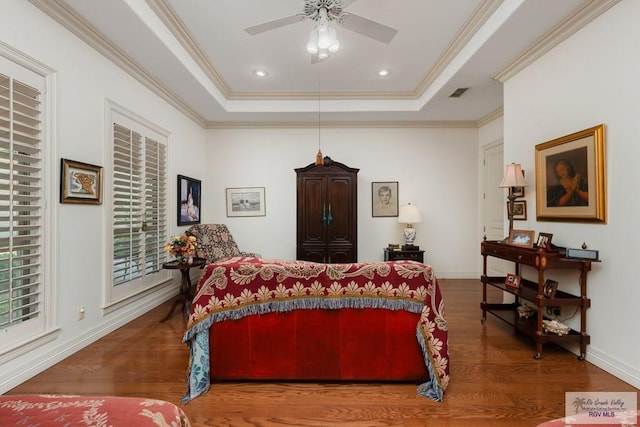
571,179
512,281
80,183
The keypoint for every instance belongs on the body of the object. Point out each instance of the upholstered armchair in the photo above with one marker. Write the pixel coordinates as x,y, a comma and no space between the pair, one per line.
215,241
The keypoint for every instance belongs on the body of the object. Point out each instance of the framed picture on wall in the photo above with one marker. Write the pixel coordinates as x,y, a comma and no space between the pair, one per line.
570,177
189,200
246,201
384,199
80,183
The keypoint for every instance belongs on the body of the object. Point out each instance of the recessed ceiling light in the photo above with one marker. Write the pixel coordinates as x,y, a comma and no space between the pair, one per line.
383,73
261,73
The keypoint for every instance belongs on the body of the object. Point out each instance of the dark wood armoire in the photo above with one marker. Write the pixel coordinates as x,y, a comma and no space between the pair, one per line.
327,219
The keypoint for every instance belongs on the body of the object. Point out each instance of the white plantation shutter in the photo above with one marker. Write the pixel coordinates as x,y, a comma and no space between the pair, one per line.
21,198
139,187
127,205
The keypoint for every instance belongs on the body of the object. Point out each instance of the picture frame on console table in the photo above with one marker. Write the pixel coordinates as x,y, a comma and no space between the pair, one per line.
522,238
570,177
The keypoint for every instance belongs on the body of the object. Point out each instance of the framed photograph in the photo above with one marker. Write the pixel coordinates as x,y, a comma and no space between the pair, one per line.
544,240
384,199
519,209
246,201
189,200
550,288
80,183
571,178
522,238
512,280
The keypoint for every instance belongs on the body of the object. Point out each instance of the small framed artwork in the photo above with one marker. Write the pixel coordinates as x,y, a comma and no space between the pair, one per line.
384,199
512,281
189,200
522,238
544,240
550,288
519,210
246,201
80,183
571,179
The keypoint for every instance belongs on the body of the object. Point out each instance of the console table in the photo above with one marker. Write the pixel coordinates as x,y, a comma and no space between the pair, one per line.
533,291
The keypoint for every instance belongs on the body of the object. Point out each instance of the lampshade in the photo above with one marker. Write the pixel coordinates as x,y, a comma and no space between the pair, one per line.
409,214
513,177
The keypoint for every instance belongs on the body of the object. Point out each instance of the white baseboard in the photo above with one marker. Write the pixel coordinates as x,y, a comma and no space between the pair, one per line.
615,367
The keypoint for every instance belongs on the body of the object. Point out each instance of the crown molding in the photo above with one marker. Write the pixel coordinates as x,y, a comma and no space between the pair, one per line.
170,19
479,17
490,117
557,35
343,125
57,10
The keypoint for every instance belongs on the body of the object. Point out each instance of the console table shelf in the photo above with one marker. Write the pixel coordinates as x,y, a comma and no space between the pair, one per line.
533,291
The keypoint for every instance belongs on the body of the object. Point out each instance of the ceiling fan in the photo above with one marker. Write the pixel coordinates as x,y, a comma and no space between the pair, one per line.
325,11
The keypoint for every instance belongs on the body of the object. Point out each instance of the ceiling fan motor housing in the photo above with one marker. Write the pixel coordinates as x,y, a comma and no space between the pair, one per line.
333,9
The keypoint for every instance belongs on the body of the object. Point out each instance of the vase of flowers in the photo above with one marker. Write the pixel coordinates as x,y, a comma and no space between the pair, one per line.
183,248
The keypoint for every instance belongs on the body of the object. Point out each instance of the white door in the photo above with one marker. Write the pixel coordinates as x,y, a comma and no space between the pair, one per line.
494,202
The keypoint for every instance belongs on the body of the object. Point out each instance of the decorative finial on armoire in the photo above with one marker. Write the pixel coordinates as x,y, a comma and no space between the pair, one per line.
319,159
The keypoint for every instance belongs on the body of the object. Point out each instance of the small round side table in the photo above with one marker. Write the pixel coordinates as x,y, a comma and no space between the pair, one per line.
185,286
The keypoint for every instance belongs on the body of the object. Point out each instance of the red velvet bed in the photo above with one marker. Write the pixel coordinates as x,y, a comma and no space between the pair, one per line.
261,319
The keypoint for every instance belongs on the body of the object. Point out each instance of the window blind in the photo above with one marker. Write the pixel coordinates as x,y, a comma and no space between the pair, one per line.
20,202
139,207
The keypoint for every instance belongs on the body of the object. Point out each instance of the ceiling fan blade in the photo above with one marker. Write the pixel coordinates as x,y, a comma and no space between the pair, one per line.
368,28
272,25
346,3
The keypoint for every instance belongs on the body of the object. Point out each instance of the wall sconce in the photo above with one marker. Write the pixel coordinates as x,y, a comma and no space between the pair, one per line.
409,215
513,178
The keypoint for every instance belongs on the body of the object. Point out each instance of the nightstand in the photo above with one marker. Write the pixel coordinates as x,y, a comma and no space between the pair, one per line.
396,255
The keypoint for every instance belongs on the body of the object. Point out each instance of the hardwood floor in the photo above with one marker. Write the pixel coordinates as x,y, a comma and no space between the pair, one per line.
494,379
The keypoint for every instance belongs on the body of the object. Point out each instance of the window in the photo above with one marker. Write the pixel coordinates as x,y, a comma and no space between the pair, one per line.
139,205
23,308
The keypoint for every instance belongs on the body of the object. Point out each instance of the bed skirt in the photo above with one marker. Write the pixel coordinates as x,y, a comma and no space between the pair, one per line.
346,344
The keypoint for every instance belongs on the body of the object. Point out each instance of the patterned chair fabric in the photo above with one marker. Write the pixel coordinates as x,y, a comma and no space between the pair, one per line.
215,241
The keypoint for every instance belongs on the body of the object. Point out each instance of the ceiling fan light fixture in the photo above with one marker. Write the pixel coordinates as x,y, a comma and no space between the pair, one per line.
323,53
312,44
324,40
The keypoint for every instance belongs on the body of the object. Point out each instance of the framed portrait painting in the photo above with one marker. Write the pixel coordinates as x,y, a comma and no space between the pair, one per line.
384,199
189,200
246,201
80,183
570,177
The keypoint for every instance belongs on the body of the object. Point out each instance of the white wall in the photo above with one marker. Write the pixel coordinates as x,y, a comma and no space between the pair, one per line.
85,79
592,78
436,170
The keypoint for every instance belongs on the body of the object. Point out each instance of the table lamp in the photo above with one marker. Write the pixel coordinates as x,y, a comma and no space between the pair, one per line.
409,215
513,178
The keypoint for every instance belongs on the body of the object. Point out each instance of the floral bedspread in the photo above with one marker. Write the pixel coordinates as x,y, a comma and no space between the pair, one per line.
236,287
70,410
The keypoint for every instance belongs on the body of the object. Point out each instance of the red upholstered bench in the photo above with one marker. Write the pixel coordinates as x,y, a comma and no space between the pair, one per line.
65,410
